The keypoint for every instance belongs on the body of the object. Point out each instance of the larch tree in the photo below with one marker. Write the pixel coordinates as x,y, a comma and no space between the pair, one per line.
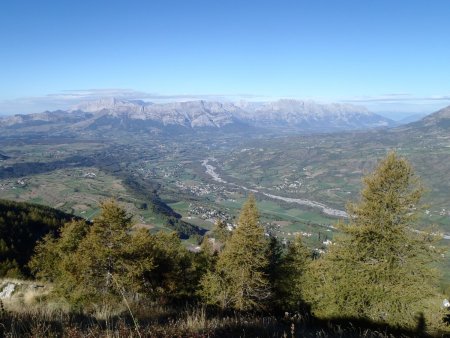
101,254
109,259
220,231
380,268
98,262
291,276
240,280
55,260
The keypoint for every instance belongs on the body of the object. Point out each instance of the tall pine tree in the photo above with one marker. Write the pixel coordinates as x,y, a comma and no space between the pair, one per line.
291,276
379,268
95,263
240,279
104,261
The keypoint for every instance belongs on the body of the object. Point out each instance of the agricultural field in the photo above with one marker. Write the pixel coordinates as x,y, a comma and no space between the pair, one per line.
78,191
329,169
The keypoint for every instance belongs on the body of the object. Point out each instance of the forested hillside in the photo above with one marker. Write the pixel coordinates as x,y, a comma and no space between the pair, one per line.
21,226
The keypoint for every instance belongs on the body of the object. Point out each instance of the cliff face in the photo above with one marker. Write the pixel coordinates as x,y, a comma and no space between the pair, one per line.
283,114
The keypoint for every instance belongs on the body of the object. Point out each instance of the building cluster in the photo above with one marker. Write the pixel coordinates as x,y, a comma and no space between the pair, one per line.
290,186
201,189
8,184
208,213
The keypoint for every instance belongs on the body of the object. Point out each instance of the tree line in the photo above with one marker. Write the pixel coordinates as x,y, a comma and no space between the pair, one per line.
21,226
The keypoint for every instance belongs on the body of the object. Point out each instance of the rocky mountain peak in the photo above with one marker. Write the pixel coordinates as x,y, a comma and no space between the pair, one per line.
285,115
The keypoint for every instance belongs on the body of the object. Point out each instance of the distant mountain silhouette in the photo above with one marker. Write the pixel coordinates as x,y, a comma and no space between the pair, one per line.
281,116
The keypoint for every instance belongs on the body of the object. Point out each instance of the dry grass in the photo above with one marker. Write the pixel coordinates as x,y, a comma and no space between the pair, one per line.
31,313
190,322
106,311
195,320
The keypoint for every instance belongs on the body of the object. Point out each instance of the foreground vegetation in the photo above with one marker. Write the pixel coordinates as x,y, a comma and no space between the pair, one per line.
377,278
161,321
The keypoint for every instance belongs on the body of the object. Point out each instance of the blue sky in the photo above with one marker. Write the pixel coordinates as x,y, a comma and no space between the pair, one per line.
391,56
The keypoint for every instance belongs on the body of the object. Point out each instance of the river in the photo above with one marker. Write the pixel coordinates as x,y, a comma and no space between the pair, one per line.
211,171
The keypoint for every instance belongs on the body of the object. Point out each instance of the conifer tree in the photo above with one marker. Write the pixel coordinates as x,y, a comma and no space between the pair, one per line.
379,268
54,257
174,275
291,276
206,259
103,261
220,231
240,280
91,263
101,252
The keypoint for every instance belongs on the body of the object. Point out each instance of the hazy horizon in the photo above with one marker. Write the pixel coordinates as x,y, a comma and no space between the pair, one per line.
390,110
390,57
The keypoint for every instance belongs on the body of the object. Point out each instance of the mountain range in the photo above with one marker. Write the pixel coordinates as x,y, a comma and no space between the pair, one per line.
439,120
279,116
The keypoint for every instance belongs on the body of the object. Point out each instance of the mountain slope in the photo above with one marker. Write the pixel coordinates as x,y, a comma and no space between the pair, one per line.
439,120
311,116
279,116
21,226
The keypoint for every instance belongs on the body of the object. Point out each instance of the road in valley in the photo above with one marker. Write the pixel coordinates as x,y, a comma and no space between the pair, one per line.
211,171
